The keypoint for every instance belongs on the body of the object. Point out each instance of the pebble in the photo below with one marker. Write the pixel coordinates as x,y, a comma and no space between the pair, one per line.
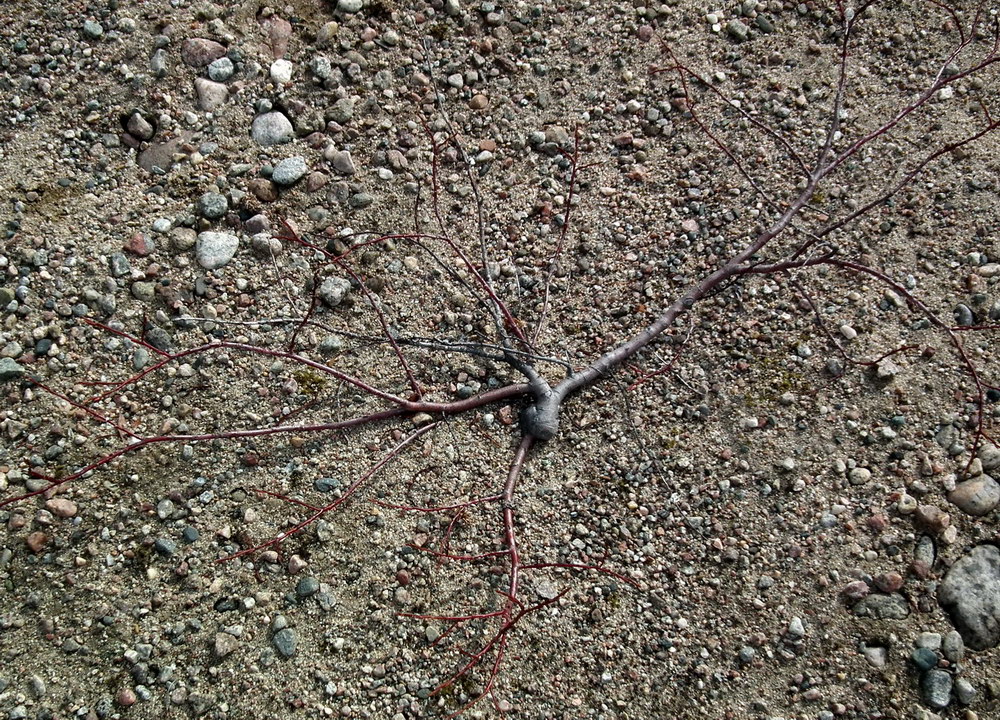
199,52
307,586
10,370
118,265
989,456
876,655
61,507
924,658
953,646
211,95
935,686
976,497
281,71
340,160
139,126
126,697
350,6
964,315
285,642
965,691
932,519
221,70
970,593
92,30
883,607
333,290
289,171
271,128
224,644
212,205
215,249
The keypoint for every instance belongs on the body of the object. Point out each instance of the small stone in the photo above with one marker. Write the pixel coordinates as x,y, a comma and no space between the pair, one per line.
859,476
342,111
857,590
224,644
989,456
876,655
263,189
935,686
61,507
278,31
92,30
296,564
126,697
479,102
796,630
10,370
932,519
139,127
350,6
281,71
199,52
118,265
271,128
889,582
965,691
285,642
887,370
165,546
212,205
883,607
211,95
36,541
737,30
289,171
953,646
307,586
333,290
215,249
976,497
140,244
221,70
929,640
327,33
340,160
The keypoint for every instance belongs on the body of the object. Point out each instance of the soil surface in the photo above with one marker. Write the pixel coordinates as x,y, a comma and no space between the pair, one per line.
253,220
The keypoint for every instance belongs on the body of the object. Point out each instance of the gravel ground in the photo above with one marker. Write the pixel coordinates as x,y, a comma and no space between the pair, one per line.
808,537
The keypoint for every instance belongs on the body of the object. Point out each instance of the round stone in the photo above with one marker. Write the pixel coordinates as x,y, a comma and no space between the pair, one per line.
977,496
271,128
221,70
212,205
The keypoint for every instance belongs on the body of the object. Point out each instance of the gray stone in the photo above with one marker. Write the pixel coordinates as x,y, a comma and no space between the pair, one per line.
953,646
139,126
158,64
289,171
875,655
965,691
118,264
221,70
883,607
307,586
212,205
10,370
92,30
935,686
271,128
350,6
211,95
342,111
924,658
977,496
737,30
165,546
333,290
970,593
215,249
989,456
224,644
285,642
